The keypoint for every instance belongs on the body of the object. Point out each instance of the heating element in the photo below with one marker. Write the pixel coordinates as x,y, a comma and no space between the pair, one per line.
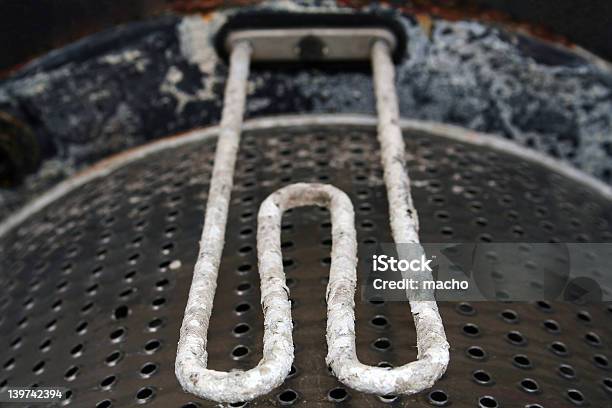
239,386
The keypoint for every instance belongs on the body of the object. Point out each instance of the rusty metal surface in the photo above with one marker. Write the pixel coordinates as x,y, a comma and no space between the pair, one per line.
99,278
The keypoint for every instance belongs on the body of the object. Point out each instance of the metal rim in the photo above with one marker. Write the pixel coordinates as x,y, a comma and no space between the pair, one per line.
109,165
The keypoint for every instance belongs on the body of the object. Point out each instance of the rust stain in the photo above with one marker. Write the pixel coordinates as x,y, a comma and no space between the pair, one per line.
206,6
207,16
426,23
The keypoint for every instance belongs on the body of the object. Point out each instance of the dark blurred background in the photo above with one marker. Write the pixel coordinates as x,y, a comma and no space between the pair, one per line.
32,27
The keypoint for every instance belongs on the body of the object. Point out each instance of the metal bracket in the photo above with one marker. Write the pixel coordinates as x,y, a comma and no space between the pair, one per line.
311,44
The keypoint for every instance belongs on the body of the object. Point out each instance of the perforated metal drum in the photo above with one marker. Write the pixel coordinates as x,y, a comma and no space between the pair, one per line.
95,283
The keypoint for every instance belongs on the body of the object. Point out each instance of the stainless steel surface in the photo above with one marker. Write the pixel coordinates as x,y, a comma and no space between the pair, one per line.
316,44
94,283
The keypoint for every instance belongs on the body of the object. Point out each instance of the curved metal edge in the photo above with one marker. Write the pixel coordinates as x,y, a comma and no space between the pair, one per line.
451,132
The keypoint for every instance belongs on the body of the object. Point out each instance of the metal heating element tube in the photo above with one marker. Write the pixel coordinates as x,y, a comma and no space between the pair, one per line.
191,356
236,386
433,354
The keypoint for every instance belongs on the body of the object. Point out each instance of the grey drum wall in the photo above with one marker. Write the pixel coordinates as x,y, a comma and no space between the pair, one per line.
154,78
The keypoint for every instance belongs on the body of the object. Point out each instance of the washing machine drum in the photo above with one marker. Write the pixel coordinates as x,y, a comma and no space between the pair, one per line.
96,275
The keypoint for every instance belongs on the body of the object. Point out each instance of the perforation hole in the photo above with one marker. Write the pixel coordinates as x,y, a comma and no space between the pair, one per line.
57,305
37,369
108,382
575,397
567,371
50,326
240,352
71,373
601,361
241,329
288,397
104,404
476,352
113,358
162,284
388,399
158,302
242,308
509,316
482,377
379,322
471,330
81,327
544,306
244,268
15,343
337,395
243,288
487,402
117,335
77,350
593,339
584,316
148,370
292,372
145,394
551,326
559,348
382,344
121,312
529,385
521,361
45,345
607,384
155,324
438,398
465,308
152,346
516,338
